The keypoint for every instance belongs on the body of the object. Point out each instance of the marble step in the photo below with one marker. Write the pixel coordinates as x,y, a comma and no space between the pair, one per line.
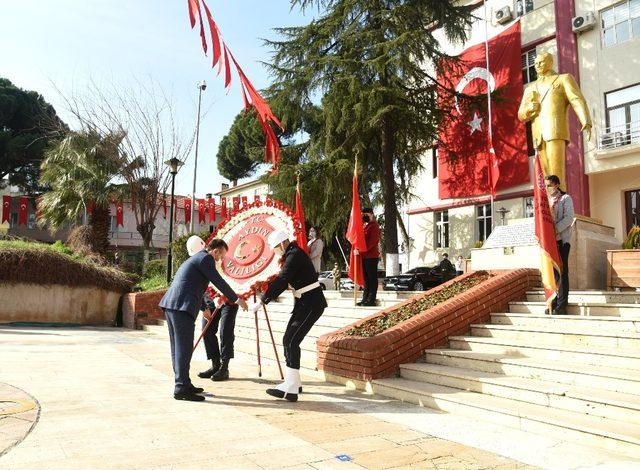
586,400
572,373
591,309
568,322
617,436
592,296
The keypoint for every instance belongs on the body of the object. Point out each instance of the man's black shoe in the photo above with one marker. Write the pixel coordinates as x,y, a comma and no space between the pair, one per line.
222,373
207,374
195,389
360,304
274,392
560,311
188,396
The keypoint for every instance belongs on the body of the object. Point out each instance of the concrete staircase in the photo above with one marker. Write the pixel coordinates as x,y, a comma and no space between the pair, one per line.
340,312
576,377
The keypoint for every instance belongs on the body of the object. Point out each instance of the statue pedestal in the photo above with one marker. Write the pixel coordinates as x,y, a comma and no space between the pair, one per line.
514,246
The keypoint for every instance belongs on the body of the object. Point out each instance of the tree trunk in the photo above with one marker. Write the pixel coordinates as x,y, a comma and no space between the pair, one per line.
387,151
100,222
145,230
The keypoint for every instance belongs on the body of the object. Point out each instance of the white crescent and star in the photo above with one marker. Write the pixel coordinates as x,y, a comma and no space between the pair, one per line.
475,123
475,73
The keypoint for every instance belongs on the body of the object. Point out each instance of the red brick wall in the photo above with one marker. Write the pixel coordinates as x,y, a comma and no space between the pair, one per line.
380,356
139,308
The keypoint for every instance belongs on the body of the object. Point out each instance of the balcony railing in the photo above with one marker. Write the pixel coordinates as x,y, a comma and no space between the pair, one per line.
116,235
613,137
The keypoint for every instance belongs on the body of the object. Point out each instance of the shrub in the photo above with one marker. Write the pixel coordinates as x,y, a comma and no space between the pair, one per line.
179,248
80,240
154,268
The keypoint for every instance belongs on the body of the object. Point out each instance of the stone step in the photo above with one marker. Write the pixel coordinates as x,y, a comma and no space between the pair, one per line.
586,400
341,303
247,347
548,334
279,325
618,357
308,343
603,309
568,322
349,311
617,436
598,376
592,296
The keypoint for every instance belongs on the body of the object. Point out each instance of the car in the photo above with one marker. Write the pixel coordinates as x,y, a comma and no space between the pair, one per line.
325,278
417,279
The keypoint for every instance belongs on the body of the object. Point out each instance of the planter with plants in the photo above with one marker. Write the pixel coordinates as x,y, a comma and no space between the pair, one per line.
623,266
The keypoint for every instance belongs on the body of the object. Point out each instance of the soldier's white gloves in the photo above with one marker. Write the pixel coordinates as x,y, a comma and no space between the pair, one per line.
256,306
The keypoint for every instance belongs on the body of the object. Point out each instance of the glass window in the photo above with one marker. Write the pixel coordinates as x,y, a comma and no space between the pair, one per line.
528,207
528,70
523,7
14,219
442,229
483,216
620,22
114,224
623,117
434,162
31,223
632,208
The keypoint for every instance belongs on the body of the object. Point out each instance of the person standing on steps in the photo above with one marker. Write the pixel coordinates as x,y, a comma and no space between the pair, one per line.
181,303
459,266
316,246
370,258
298,272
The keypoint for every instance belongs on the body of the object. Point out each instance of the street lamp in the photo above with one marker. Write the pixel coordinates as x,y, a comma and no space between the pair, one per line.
201,87
503,212
174,164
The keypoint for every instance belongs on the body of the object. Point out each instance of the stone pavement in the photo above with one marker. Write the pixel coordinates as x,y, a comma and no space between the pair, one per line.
105,398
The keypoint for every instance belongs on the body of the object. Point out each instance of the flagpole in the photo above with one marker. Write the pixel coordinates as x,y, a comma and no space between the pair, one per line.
490,127
355,258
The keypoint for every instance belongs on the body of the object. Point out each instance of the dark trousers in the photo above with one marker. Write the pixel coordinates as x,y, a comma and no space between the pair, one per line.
181,326
370,271
226,320
562,298
306,311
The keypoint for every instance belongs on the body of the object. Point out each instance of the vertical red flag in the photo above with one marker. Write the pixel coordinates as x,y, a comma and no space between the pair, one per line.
202,208
355,233
550,262
90,207
175,209
187,210
6,209
119,214
236,204
245,201
470,163
223,207
164,205
301,237
256,199
211,206
23,210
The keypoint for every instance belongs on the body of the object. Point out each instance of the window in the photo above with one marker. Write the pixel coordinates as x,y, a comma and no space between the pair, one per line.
523,7
14,219
442,229
620,22
434,162
528,207
623,117
114,224
529,73
483,216
632,208
31,222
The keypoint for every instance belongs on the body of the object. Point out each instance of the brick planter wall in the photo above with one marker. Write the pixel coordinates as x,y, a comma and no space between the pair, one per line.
139,308
380,356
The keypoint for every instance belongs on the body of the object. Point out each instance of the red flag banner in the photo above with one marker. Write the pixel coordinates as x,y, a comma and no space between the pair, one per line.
245,201
90,207
469,163
6,209
119,214
202,211
175,209
187,210
223,207
164,205
256,198
301,237
550,262
211,206
23,210
236,204
355,233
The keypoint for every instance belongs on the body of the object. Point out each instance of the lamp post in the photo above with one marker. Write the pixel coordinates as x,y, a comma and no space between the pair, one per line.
174,164
201,87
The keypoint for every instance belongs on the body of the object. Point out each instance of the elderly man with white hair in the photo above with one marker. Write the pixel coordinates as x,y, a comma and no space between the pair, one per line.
298,272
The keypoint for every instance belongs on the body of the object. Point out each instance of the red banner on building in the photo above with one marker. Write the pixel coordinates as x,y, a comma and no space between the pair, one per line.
211,206
256,198
187,210
223,207
175,209
23,212
245,201
236,203
466,164
164,205
6,209
119,214
202,211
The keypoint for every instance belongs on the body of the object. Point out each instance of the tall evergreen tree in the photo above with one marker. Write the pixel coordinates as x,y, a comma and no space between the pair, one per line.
369,60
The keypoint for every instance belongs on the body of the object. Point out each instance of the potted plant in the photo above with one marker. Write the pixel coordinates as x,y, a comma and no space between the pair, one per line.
623,266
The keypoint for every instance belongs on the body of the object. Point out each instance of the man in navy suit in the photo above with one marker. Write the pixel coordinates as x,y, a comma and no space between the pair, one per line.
181,304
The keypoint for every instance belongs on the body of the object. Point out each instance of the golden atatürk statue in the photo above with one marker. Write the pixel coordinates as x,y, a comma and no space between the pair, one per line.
545,103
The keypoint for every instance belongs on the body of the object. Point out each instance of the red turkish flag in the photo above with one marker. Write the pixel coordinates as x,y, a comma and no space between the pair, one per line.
6,209
164,205
301,237
175,209
256,199
119,214
355,233
187,210
245,201
23,210
550,262
201,211
236,204
467,166
90,207
223,207
211,206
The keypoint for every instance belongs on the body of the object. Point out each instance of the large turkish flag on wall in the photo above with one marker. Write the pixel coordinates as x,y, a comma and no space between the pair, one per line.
464,152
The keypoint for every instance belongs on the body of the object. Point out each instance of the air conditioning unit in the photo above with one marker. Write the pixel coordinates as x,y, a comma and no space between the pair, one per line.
612,140
583,23
504,15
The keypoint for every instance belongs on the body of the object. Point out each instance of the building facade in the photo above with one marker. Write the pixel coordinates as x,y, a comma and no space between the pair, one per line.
603,174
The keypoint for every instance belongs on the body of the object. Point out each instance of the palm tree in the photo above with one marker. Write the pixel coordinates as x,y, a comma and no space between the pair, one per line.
80,170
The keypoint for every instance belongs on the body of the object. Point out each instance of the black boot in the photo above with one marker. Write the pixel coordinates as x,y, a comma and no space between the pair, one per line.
207,374
222,373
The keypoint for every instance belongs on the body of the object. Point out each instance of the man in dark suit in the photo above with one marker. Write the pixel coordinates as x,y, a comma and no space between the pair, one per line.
181,304
219,353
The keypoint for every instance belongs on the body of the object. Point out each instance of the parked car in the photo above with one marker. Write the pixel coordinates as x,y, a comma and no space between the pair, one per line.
325,278
417,279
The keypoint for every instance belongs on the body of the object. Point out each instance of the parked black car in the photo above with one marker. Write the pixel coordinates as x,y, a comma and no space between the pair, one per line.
422,278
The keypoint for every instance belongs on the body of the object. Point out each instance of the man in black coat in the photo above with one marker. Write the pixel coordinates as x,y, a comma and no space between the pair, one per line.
181,304
298,272
219,353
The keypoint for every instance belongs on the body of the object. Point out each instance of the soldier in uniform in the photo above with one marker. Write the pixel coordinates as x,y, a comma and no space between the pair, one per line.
219,353
298,272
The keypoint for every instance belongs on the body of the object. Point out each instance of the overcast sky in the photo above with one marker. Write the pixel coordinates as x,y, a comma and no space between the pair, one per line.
68,42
